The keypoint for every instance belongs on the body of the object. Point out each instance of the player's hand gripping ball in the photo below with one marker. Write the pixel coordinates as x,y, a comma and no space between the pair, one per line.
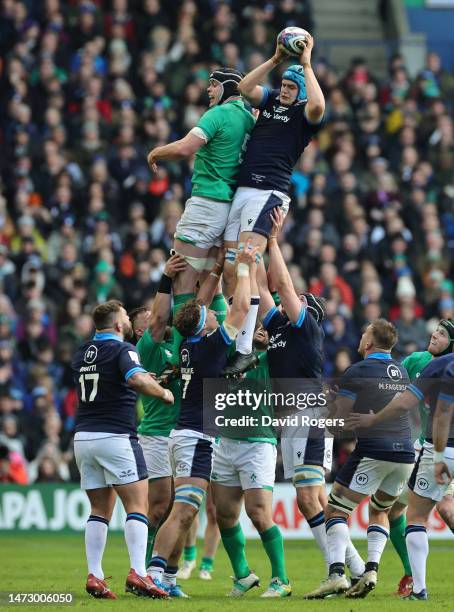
292,40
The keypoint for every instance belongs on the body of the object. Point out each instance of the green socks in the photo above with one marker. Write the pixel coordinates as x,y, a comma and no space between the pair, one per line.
273,544
397,536
207,564
152,530
234,544
190,553
219,305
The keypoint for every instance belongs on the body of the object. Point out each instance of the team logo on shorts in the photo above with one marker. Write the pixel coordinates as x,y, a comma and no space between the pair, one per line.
185,357
90,354
126,473
362,479
393,372
328,454
422,484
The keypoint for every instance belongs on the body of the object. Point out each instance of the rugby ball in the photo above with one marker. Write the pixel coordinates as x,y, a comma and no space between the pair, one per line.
292,39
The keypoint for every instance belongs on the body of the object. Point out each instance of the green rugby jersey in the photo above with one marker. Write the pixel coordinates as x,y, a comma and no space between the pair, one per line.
159,418
415,364
216,164
260,375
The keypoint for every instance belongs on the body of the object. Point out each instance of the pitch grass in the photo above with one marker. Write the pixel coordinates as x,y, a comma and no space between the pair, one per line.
56,563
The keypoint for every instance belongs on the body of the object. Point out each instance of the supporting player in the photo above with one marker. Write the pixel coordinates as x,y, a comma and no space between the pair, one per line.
108,375
203,355
295,352
379,466
155,350
288,120
244,468
217,142
441,343
425,491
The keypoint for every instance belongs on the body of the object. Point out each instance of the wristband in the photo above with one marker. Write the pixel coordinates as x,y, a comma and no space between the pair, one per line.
439,457
165,284
242,270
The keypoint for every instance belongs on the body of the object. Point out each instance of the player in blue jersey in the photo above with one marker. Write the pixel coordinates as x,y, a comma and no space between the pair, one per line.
108,375
378,467
425,491
295,352
203,354
289,118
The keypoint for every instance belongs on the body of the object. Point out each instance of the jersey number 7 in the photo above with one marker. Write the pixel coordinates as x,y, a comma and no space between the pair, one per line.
94,391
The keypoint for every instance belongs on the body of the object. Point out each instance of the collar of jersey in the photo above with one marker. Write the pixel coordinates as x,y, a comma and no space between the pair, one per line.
379,356
107,336
194,338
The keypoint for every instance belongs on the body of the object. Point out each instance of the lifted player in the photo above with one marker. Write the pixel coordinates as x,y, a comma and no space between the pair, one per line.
108,375
288,120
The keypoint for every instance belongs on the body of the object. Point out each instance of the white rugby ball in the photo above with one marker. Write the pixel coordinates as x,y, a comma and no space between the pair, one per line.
292,39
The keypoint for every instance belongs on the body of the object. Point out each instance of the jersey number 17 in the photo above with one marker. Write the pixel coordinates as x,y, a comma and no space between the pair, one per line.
86,377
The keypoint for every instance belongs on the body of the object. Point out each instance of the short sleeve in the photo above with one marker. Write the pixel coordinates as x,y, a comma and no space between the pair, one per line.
421,385
273,320
220,338
349,385
129,361
209,123
447,384
311,128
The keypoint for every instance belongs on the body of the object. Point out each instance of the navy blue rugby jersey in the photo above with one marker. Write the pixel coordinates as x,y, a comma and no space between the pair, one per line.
280,135
101,368
433,381
372,384
200,357
295,349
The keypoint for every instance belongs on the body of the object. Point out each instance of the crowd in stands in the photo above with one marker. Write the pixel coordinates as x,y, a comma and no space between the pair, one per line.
87,88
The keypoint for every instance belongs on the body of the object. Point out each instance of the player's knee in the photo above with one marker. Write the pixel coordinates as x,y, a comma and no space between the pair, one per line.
158,511
380,505
259,517
187,502
445,509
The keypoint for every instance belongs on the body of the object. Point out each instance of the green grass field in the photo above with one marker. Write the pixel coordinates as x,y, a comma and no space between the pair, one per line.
56,563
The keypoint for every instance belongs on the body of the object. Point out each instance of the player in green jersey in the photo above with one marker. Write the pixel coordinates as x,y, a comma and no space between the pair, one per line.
440,343
217,141
245,468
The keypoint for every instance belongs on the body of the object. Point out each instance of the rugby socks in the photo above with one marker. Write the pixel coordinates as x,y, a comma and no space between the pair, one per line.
317,525
178,302
136,534
273,544
152,530
219,305
95,543
246,332
190,553
234,544
207,564
337,538
397,537
169,577
157,568
353,560
377,536
418,550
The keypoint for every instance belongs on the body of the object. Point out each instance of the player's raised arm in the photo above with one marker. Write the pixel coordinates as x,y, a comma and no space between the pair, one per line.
315,107
212,283
279,274
249,86
246,267
160,311
175,151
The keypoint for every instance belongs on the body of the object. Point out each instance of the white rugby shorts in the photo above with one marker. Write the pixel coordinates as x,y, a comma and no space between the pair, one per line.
203,222
249,465
106,459
157,456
